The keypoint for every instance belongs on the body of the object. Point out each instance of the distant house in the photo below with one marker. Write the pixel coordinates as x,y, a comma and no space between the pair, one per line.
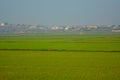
91,27
68,28
114,27
43,28
115,30
32,27
55,28
77,27
2,24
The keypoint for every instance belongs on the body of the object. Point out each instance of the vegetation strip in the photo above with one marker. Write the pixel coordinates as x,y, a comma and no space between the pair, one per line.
60,50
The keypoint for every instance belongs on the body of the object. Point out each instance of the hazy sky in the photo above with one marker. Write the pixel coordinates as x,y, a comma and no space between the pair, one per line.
60,12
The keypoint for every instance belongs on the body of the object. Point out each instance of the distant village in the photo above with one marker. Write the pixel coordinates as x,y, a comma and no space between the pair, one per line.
6,28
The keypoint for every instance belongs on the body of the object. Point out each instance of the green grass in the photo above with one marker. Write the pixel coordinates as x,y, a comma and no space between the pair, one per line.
65,57
54,65
103,42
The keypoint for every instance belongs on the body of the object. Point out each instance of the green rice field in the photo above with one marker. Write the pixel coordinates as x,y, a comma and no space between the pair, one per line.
90,42
60,57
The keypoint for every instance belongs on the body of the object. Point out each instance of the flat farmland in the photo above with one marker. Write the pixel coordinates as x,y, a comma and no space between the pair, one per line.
54,65
91,42
60,57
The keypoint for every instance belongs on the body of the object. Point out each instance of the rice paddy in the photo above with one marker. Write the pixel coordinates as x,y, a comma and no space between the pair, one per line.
60,57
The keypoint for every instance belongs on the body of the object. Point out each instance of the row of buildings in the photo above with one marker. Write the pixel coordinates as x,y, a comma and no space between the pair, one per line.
22,28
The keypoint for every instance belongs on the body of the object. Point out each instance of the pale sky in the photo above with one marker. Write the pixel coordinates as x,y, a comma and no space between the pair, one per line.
60,12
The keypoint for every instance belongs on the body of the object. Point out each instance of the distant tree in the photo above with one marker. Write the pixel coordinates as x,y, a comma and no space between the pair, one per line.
23,25
6,23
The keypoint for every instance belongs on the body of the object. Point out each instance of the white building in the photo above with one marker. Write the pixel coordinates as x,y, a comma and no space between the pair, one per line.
56,28
68,28
2,24
91,27
115,30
